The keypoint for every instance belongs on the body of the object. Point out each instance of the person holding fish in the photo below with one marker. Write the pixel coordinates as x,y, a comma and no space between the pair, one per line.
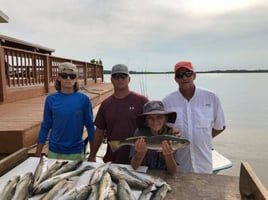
66,112
155,121
200,118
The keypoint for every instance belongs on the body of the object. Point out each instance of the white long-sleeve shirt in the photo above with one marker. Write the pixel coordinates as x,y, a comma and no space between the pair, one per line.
196,119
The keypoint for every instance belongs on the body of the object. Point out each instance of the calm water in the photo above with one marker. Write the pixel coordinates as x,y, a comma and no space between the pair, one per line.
244,99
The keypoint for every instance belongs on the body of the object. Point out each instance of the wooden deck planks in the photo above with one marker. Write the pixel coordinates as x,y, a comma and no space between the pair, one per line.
200,186
22,114
20,121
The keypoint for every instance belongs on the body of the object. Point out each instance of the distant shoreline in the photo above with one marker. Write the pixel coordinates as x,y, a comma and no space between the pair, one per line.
201,72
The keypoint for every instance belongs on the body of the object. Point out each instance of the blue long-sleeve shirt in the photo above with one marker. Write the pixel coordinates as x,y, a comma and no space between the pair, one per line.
64,118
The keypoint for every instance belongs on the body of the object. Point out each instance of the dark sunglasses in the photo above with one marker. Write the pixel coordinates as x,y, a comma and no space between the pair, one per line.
119,75
65,76
182,74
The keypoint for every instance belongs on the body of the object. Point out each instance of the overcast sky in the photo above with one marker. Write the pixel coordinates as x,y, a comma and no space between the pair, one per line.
147,35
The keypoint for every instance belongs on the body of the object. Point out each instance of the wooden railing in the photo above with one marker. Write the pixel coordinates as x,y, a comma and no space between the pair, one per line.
29,71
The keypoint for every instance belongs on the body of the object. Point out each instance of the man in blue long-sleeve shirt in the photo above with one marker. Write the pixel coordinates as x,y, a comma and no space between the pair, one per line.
66,112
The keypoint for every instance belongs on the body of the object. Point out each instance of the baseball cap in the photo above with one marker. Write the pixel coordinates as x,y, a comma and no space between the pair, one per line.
183,64
67,66
155,108
120,68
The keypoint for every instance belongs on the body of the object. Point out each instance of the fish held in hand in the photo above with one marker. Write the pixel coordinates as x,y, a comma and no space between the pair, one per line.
40,170
152,142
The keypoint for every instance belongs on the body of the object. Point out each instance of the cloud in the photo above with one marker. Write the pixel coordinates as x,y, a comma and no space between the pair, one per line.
153,33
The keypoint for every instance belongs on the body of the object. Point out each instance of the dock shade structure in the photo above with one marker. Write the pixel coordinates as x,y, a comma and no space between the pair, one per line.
3,17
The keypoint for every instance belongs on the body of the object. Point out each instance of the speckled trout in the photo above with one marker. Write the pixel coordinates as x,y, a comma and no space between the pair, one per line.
24,187
153,142
49,183
10,187
40,170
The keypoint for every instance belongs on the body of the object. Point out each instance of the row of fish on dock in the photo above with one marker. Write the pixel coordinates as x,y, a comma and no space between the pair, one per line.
62,180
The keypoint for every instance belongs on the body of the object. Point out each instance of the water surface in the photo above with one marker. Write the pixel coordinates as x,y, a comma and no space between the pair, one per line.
244,99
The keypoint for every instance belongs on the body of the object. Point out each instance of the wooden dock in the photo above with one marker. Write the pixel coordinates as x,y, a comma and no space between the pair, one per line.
20,121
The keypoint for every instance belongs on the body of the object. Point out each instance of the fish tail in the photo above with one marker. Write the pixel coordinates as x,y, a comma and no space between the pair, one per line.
114,145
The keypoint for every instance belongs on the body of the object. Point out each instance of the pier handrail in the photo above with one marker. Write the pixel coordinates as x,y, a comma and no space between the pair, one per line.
35,73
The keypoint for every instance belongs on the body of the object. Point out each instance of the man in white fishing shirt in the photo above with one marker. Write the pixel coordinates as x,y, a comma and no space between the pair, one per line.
200,117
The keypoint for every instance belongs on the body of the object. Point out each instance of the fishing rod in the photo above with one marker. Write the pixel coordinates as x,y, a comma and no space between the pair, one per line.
143,84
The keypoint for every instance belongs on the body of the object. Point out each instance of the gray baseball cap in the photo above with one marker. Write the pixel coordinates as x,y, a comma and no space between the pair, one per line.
120,69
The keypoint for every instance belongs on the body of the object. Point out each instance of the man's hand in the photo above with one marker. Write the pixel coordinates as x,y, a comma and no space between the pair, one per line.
91,158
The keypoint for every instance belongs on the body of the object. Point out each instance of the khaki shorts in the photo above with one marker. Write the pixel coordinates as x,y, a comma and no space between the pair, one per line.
75,156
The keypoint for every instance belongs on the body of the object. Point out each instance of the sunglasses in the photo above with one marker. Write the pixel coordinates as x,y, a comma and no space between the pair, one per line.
119,75
65,76
182,74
